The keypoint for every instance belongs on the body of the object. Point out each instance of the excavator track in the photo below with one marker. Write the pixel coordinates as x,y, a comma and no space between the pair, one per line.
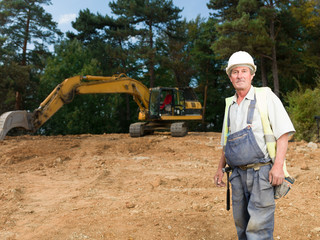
14,119
179,129
137,129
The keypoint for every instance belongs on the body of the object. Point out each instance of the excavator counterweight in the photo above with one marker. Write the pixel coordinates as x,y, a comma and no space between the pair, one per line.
160,107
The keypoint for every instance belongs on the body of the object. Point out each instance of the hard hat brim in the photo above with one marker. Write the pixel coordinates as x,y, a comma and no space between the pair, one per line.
252,67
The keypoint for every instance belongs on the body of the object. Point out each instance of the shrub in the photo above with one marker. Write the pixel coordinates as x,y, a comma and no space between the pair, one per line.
304,105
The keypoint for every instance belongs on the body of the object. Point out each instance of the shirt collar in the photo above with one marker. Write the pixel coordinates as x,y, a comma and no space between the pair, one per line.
249,96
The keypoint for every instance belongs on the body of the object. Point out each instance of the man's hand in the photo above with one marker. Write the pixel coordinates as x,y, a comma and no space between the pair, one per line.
219,174
276,175
218,178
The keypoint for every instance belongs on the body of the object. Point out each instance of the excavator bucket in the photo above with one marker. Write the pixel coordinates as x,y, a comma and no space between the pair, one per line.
14,119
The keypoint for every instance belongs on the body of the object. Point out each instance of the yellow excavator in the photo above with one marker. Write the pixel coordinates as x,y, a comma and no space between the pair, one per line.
161,108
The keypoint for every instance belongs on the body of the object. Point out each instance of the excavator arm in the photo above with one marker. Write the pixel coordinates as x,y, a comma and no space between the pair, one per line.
65,92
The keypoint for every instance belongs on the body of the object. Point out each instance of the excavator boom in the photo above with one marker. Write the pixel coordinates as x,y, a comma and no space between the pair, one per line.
65,92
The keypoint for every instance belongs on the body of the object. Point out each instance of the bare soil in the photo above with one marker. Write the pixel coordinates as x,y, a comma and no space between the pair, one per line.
112,186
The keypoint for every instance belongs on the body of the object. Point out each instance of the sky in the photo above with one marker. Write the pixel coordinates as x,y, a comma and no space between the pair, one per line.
66,11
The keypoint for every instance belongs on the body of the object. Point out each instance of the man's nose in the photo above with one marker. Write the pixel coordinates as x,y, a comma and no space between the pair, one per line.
240,75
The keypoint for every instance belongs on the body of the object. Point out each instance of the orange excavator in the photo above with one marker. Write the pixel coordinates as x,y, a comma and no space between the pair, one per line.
156,111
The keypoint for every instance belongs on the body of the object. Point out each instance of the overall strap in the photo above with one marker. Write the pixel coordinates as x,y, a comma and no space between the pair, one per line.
229,120
229,101
250,112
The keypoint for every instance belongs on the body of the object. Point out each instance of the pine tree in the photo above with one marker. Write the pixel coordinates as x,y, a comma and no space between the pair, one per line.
307,13
210,76
252,26
151,17
174,56
25,22
109,41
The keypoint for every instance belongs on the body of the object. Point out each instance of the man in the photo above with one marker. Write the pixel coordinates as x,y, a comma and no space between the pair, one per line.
249,115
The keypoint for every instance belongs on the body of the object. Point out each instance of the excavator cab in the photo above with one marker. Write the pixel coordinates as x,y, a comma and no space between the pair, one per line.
169,109
166,103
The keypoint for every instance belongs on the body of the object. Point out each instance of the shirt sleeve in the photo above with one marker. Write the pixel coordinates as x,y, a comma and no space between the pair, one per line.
278,117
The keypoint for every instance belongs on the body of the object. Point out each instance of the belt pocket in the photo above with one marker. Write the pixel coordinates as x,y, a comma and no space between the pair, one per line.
237,188
264,191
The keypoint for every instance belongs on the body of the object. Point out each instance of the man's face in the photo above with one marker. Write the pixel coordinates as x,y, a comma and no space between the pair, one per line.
241,78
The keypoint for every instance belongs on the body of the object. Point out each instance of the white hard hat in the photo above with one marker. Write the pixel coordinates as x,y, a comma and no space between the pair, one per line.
241,58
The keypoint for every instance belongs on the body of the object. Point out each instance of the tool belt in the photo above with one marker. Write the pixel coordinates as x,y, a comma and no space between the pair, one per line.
255,166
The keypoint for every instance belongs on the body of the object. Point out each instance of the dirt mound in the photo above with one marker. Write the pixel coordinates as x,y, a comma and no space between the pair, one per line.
157,187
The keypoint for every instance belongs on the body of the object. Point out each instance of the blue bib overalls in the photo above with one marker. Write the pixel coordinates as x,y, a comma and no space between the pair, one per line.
252,194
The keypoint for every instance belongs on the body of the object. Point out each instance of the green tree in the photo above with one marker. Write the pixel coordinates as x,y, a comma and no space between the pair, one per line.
12,79
253,26
241,29
270,10
108,40
303,107
212,80
174,56
123,52
25,22
151,17
94,113
224,10
307,13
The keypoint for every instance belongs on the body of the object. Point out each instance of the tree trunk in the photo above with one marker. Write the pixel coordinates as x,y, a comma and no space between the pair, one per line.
274,55
25,42
18,100
205,102
275,72
264,77
17,105
151,57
